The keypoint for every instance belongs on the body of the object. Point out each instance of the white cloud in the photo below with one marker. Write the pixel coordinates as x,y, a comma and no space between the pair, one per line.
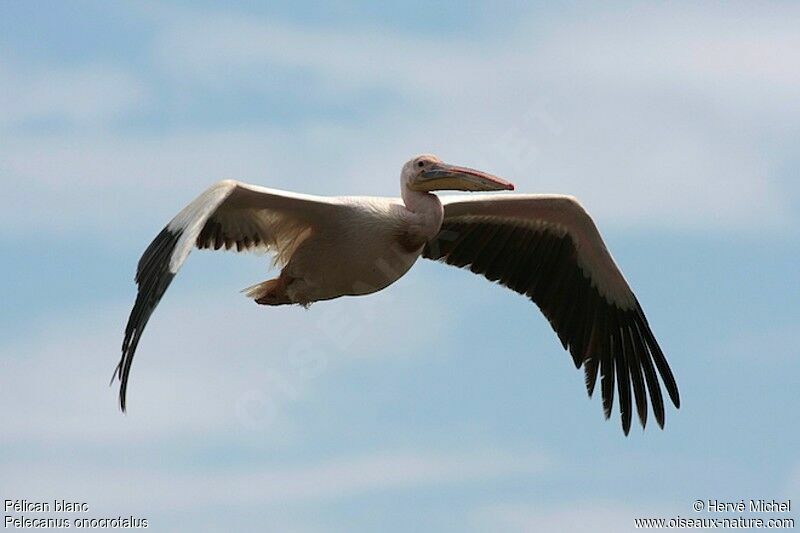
208,364
192,381
158,489
719,53
634,120
88,95
653,117
65,184
226,50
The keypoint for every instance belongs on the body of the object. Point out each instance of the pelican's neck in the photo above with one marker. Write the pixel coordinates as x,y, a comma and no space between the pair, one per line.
424,214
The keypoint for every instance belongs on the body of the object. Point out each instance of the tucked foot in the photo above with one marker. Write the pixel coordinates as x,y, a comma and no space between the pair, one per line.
271,292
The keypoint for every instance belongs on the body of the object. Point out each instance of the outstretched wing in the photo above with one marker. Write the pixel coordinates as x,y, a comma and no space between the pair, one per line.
548,248
229,214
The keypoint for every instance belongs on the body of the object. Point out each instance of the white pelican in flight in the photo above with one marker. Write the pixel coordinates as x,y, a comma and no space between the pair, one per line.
545,247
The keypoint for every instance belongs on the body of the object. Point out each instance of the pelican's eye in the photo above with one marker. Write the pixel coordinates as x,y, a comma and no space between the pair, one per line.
420,164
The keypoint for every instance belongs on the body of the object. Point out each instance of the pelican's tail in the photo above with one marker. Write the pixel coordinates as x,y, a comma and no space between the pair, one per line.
270,292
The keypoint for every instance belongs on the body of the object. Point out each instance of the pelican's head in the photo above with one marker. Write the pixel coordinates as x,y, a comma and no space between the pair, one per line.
428,173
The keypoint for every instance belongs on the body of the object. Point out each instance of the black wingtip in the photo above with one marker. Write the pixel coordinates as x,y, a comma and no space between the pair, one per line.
607,384
608,336
122,407
117,374
674,395
153,277
113,376
590,375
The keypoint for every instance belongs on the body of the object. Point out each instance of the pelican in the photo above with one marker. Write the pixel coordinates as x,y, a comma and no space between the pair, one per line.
545,247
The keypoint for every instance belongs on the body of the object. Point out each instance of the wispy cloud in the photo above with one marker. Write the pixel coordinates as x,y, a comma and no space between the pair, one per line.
160,489
83,96
209,364
615,123
653,117
716,53
194,387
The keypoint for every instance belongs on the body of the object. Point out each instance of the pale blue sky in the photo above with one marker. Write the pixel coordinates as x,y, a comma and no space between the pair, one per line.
443,403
